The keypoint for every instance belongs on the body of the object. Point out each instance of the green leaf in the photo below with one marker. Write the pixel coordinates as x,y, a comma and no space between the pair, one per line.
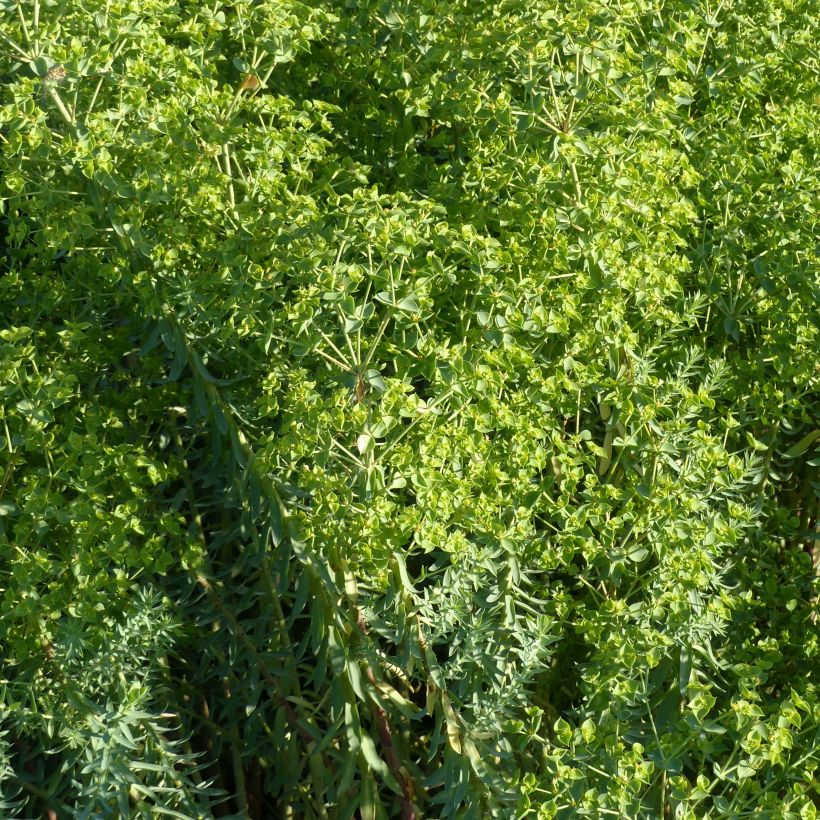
368,749
41,66
563,731
408,304
802,445
180,355
685,673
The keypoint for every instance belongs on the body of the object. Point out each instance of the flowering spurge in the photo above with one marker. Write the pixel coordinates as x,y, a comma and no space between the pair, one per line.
408,410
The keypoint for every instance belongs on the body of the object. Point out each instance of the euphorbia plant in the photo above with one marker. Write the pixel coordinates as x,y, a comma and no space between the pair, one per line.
408,410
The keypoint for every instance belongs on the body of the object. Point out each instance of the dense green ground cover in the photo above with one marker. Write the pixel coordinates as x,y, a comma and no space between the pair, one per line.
409,409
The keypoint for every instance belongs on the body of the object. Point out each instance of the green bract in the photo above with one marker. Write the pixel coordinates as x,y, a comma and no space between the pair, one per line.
409,409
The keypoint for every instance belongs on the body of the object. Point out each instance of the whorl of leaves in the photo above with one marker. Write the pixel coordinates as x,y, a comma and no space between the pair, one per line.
409,409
